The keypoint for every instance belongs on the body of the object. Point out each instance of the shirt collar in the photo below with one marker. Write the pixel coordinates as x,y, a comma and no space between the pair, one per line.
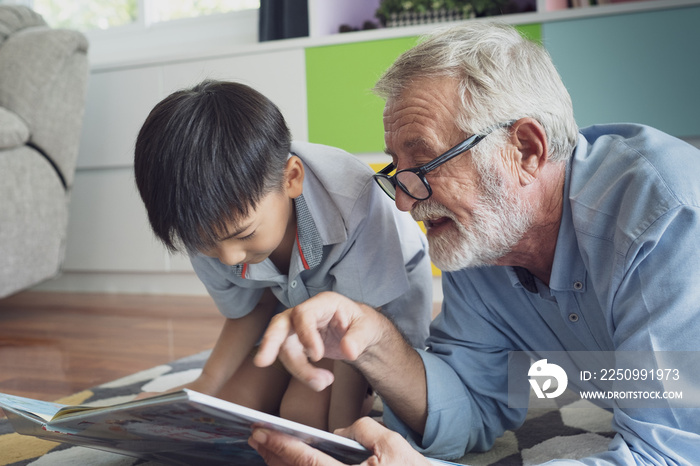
321,202
309,244
568,269
240,270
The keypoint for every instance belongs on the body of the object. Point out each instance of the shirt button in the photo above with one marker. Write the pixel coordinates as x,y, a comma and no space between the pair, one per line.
293,284
578,285
573,317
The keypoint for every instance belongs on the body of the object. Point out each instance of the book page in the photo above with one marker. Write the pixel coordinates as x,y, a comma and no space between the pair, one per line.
44,410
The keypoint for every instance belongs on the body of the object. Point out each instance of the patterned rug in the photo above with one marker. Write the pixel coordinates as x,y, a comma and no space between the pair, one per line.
569,428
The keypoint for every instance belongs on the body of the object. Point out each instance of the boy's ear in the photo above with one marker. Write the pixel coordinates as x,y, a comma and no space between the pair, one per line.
294,177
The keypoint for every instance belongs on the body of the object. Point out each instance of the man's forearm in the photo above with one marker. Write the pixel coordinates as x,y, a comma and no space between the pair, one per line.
396,372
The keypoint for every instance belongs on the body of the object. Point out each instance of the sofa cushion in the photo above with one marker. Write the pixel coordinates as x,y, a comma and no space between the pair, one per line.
16,17
13,130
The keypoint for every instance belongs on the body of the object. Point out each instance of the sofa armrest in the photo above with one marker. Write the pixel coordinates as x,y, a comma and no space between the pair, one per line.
43,79
13,130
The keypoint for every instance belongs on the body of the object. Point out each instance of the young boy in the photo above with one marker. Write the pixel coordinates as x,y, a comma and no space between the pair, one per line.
267,224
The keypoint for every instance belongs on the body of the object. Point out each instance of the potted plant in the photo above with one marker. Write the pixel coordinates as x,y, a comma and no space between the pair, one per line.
404,12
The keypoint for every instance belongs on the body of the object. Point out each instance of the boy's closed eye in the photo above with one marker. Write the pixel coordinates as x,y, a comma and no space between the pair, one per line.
237,232
247,237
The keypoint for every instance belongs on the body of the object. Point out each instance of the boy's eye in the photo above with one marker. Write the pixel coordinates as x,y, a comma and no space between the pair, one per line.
247,237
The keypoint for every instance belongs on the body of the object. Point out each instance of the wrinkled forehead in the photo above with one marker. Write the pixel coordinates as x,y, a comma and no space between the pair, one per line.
422,117
423,99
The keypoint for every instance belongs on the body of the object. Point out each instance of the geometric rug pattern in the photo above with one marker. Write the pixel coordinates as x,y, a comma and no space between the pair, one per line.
568,428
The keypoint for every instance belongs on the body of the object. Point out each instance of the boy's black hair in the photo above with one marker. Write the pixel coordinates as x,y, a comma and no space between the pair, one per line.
204,157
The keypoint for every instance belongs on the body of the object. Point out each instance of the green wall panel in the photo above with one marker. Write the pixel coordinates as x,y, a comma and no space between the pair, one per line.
641,67
342,109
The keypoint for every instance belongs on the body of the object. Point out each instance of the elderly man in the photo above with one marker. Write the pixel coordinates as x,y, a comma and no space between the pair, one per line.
552,240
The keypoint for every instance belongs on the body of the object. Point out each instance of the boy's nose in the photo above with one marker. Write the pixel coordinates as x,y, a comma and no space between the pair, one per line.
230,256
226,255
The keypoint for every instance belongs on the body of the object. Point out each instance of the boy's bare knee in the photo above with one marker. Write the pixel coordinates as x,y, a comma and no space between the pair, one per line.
311,412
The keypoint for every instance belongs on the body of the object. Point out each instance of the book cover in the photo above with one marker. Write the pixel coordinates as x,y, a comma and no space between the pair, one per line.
184,427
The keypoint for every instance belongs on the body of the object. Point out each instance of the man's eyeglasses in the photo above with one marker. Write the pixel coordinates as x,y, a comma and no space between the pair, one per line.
412,181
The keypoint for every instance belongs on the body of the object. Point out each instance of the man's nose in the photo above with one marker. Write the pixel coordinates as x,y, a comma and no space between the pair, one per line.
404,202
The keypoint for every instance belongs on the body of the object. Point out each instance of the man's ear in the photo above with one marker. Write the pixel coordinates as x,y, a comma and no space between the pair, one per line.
294,177
530,140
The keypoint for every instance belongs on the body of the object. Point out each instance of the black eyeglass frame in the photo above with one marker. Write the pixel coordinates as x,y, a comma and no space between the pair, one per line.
421,171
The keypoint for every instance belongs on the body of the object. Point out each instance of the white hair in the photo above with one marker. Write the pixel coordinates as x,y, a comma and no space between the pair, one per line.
502,77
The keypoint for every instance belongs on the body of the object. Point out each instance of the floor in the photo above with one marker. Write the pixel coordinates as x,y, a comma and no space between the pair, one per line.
56,344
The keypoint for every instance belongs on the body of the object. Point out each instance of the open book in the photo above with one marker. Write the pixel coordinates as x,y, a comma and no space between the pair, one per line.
184,427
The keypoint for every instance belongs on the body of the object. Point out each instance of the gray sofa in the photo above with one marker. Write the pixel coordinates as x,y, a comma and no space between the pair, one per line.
43,82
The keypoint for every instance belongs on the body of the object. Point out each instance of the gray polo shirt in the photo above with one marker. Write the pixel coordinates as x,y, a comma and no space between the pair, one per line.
351,239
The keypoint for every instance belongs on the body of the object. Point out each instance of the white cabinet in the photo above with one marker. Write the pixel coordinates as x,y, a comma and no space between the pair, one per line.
279,75
117,103
107,227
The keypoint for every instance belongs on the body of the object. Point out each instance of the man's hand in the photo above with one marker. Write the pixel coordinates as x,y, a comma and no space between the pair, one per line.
388,447
328,325
332,326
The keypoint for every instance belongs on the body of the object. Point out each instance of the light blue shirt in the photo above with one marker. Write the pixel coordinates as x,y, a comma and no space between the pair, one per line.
625,277
351,239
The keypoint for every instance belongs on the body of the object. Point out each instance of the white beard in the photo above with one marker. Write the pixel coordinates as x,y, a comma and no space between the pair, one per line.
499,221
